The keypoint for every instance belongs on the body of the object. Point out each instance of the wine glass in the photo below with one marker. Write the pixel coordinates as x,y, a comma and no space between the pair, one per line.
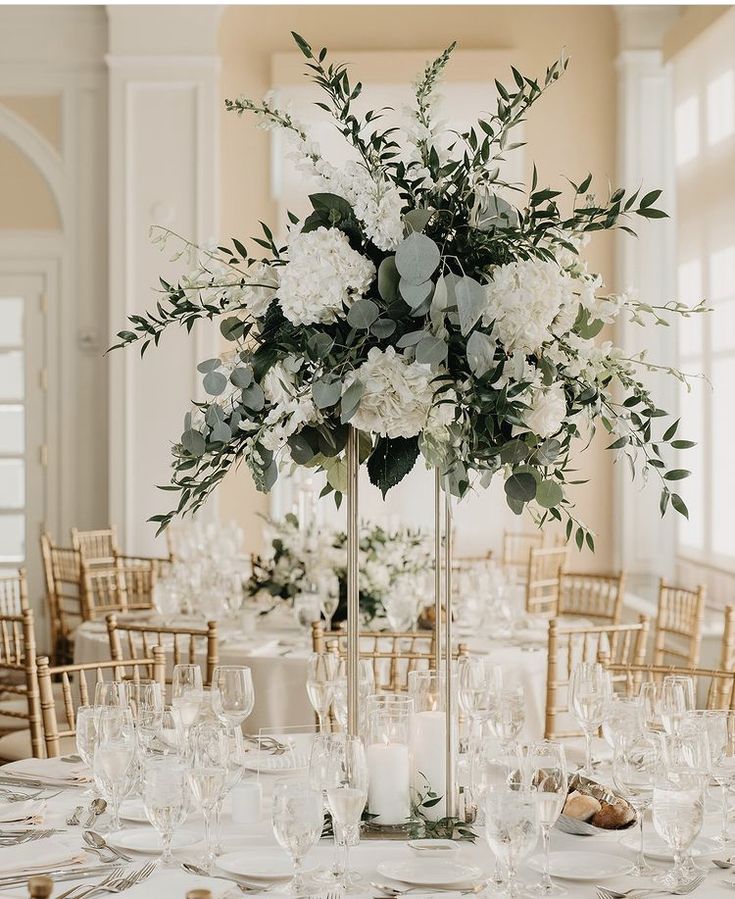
677,698
235,761
165,799
623,718
306,611
169,738
328,588
635,764
347,790
111,693
365,688
650,694
545,768
145,699
678,814
401,607
320,768
320,676
479,685
86,733
508,714
114,755
720,728
233,695
187,693
511,830
589,691
207,750
297,824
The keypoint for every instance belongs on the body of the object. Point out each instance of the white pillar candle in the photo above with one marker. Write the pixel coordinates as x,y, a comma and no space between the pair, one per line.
389,772
429,748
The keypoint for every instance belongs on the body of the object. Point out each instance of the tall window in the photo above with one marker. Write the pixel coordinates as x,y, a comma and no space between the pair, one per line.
705,156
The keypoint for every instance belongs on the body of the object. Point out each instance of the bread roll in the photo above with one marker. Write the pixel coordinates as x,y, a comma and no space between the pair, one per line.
581,806
613,815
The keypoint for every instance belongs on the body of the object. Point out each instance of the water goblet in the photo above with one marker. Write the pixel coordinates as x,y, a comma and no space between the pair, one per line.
320,677
165,799
233,695
635,765
678,815
114,756
508,714
511,830
545,770
297,825
589,691
623,718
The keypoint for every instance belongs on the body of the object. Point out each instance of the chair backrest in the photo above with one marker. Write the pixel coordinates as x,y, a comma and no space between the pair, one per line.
716,685
679,620
545,569
116,588
77,688
516,547
727,652
17,653
568,645
183,646
63,572
393,655
95,546
595,596
160,565
13,593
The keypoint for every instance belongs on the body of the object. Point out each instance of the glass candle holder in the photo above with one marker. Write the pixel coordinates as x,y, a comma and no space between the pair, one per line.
428,741
389,760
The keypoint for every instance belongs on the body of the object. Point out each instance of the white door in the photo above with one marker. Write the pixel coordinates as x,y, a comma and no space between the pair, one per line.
22,424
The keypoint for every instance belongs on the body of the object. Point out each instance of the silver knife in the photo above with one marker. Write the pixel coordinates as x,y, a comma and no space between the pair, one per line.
60,874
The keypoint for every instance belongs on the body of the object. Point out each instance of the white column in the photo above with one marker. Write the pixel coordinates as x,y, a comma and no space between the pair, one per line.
164,169
645,543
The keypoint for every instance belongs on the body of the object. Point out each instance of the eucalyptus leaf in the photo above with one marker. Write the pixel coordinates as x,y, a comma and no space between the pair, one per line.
513,452
417,219
521,487
410,339
242,376
417,258
362,314
326,393
337,475
471,302
208,365
388,278
480,353
549,494
215,382
383,328
431,351
495,212
439,303
194,443
253,397
415,294
351,400
320,344
221,433
301,450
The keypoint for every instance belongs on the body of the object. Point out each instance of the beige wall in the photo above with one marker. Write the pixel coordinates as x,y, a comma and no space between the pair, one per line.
570,131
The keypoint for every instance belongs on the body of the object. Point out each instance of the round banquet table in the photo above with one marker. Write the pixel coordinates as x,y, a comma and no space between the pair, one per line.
277,652
250,843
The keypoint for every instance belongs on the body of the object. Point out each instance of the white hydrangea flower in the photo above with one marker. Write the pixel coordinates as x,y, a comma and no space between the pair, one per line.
548,408
258,292
322,275
397,396
531,302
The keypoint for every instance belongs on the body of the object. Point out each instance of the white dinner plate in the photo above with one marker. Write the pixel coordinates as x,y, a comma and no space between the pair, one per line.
430,872
270,763
655,848
148,840
575,865
132,810
266,864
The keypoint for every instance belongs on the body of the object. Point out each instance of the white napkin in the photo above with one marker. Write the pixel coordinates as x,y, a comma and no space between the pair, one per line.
30,811
52,771
40,855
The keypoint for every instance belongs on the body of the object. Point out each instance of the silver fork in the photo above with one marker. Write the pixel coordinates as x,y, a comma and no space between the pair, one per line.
114,886
29,837
640,893
111,877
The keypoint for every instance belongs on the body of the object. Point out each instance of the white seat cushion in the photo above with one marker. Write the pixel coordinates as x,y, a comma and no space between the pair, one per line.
16,746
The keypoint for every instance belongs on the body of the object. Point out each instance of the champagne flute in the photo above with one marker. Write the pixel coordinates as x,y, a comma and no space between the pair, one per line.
511,830
297,825
545,767
235,761
479,686
328,587
508,714
207,751
165,799
678,815
677,698
86,733
320,676
589,691
233,695
635,764
347,790
114,756
187,693
720,727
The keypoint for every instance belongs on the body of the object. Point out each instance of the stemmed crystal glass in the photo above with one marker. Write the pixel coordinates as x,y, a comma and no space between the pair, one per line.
623,717
207,750
401,606
589,692
635,765
111,693
347,790
235,761
187,693
86,733
169,737
306,611
114,756
720,727
508,714
511,829
479,686
677,699
678,815
297,825
145,699
545,771
328,588
320,677
320,770
233,695
165,799
365,688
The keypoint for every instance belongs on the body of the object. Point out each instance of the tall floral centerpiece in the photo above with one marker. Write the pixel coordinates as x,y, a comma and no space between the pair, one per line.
424,308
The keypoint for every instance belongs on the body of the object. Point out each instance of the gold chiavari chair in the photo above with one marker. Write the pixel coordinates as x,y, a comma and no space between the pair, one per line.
76,691
393,655
183,646
116,588
17,645
95,547
545,569
727,653
63,573
568,645
160,565
678,634
516,547
13,593
716,685
598,597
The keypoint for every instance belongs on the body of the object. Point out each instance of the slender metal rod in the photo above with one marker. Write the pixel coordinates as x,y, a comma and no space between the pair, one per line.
353,584
437,570
449,699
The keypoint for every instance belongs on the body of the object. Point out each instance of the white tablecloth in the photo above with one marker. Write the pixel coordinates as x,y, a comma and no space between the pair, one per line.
173,883
277,655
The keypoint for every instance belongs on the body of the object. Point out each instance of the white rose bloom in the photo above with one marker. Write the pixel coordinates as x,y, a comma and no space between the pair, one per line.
278,384
397,395
518,369
547,412
530,302
322,275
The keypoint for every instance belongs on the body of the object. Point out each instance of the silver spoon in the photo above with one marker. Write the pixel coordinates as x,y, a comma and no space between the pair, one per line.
395,891
245,887
97,841
97,807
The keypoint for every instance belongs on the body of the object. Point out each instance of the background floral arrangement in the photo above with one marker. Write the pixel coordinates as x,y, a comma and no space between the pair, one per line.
419,306
386,558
